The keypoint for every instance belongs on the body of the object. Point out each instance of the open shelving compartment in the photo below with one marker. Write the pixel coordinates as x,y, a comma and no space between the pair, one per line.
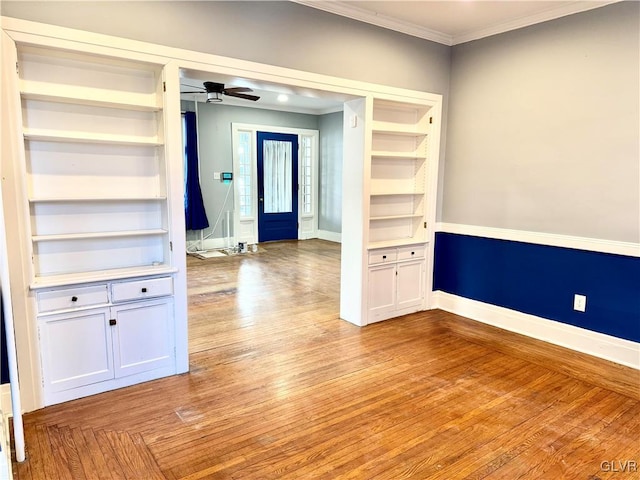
397,193
95,166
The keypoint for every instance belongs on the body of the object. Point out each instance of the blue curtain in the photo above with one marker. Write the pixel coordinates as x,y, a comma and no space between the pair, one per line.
195,215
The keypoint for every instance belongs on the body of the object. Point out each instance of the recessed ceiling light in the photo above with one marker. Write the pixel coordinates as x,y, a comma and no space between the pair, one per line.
282,97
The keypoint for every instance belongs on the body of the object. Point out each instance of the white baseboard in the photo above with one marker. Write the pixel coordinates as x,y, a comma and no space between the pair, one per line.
220,243
599,345
330,236
209,244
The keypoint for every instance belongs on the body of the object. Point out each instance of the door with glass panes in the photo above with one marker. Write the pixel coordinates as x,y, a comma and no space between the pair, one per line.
277,186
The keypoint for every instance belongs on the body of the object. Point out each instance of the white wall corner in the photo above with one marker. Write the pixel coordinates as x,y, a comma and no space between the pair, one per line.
599,345
330,236
5,412
5,397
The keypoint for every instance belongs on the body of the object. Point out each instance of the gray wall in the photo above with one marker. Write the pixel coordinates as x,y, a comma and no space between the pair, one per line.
543,131
330,172
278,33
214,130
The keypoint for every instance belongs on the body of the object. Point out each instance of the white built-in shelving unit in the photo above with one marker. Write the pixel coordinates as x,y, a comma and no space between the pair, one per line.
94,175
398,174
397,197
95,166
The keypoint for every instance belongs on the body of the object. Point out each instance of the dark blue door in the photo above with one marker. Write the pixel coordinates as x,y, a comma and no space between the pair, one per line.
277,186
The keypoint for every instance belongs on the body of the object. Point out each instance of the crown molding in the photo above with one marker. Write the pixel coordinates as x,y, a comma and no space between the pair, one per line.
362,15
528,20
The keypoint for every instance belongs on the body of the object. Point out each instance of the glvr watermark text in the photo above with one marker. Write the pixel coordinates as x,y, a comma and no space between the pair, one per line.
619,466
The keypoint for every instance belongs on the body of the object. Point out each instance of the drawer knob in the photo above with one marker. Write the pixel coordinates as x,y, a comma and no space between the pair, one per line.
384,257
74,299
144,289
112,321
413,253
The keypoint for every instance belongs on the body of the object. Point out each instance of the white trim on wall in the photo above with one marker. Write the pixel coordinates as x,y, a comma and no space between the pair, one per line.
618,350
538,238
330,236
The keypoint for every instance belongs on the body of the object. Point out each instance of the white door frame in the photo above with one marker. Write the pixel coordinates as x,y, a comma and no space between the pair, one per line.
245,227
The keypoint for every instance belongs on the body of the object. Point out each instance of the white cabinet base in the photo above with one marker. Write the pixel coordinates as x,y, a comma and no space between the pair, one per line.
52,398
76,349
91,349
382,292
396,282
143,339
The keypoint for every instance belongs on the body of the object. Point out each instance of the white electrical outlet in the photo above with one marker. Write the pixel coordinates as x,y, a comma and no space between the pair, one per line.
216,175
579,302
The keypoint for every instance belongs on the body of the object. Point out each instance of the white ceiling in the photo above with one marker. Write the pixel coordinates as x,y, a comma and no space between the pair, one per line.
454,21
448,22
308,101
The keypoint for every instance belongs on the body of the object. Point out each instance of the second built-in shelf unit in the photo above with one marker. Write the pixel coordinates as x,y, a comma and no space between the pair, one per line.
398,174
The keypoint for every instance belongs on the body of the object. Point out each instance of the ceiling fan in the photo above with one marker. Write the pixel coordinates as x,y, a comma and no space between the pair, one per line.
215,91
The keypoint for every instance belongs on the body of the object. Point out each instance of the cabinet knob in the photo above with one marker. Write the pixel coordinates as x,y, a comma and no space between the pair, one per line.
384,257
413,253
112,321
74,299
144,289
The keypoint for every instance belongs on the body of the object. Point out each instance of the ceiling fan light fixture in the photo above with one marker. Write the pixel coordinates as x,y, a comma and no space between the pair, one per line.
213,97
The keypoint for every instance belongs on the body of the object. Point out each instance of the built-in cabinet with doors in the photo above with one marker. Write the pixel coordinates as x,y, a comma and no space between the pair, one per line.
397,216
393,237
92,172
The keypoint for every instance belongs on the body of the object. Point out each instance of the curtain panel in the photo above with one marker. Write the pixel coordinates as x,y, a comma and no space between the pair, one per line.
194,211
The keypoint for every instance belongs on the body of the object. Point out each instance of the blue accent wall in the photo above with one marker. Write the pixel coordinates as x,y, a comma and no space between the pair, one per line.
542,280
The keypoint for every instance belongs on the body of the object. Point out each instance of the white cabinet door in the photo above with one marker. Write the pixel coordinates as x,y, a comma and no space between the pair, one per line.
382,292
410,288
142,336
76,349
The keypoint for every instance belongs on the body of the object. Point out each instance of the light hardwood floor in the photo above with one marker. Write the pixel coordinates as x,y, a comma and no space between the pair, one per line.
281,388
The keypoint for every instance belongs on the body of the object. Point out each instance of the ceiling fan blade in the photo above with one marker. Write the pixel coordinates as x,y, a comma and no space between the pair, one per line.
237,90
243,95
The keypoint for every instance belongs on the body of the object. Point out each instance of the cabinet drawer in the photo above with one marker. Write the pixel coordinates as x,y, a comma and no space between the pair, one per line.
384,255
414,251
72,298
140,289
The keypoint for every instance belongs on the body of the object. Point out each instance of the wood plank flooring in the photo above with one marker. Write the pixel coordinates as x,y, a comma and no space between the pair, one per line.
281,388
